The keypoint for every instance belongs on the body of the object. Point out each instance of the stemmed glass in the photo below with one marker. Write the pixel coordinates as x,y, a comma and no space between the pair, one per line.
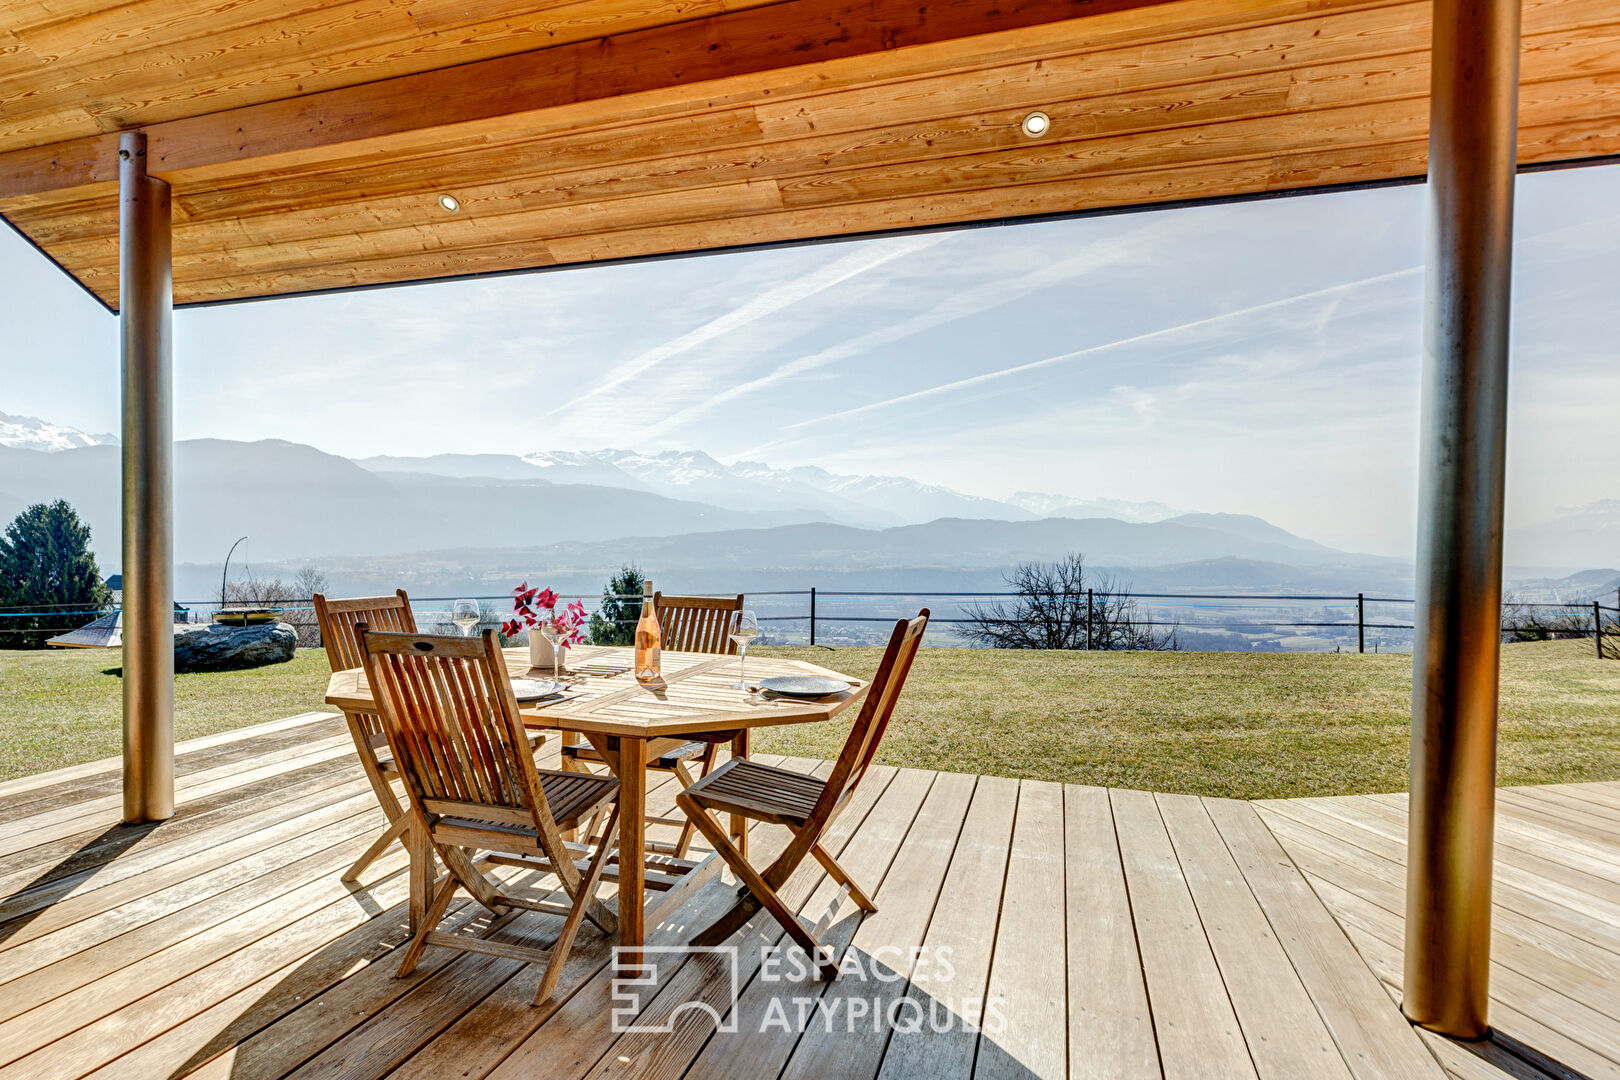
552,633
465,614
742,636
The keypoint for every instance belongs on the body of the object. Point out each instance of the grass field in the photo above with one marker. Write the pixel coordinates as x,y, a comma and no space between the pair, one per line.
1235,724
63,706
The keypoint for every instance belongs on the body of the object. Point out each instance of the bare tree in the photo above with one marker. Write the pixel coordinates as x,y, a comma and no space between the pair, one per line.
295,600
1058,605
1527,620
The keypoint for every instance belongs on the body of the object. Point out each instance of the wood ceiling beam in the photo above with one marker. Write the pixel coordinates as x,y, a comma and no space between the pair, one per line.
792,33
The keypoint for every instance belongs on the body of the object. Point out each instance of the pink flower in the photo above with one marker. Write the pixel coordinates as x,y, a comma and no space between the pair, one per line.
532,606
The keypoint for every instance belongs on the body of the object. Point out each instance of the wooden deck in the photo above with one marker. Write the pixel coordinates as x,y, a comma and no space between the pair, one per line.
1101,934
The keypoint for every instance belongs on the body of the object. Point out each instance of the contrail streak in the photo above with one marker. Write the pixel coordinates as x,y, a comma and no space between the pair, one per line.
768,303
1136,339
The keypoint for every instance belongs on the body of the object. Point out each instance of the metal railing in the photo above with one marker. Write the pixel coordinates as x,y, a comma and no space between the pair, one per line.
1207,612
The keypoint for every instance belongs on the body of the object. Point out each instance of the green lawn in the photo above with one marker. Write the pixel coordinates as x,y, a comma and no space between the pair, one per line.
1243,725
1246,725
62,706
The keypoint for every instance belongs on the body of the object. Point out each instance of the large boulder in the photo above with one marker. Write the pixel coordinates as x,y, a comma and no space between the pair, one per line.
213,647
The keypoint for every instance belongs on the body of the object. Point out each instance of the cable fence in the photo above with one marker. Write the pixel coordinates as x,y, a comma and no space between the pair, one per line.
1202,621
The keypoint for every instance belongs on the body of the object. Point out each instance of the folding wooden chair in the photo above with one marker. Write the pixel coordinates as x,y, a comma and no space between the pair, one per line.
337,620
807,806
701,624
452,722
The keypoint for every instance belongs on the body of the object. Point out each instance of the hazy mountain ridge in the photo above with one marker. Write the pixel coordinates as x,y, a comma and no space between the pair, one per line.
868,501
1576,536
948,544
296,502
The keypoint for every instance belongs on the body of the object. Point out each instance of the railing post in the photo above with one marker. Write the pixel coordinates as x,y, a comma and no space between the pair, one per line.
1361,622
812,614
1597,628
145,303
1090,596
1473,103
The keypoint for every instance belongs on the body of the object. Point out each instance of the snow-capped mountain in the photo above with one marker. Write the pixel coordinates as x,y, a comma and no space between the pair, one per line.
863,500
1044,505
692,474
32,433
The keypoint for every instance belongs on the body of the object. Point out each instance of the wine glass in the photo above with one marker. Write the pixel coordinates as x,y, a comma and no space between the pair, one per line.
742,636
553,633
465,614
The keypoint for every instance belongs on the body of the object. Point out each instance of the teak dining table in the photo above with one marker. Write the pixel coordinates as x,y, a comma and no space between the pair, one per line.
629,724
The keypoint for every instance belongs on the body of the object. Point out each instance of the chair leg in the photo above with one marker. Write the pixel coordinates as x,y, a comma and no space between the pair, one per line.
837,873
378,846
430,922
582,900
715,833
739,824
686,780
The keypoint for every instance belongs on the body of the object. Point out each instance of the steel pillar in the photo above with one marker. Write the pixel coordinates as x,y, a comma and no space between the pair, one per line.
1457,642
145,304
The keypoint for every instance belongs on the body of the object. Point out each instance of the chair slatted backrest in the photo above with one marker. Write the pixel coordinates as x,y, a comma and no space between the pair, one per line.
700,624
452,722
867,731
337,618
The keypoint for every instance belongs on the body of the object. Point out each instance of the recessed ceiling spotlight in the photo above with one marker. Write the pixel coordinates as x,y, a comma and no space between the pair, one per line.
451,204
1036,124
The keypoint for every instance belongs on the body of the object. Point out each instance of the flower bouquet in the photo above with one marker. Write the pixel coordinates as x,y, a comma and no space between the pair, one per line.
550,632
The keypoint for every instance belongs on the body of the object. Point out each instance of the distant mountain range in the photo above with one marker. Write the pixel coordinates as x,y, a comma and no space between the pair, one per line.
683,510
295,502
871,501
947,555
1580,536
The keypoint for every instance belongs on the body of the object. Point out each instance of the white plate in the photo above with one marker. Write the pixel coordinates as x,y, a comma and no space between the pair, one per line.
805,686
529,691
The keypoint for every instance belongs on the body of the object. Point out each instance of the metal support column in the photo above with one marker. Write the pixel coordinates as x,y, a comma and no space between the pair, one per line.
145,302
1457,642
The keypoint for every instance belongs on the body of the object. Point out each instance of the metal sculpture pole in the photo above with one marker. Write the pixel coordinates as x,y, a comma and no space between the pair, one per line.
1456,654
145,303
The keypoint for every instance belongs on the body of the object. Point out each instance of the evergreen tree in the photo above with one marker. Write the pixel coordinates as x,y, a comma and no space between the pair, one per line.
46,565
615,620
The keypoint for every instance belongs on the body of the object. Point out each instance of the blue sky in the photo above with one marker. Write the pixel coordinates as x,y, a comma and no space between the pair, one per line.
1258,358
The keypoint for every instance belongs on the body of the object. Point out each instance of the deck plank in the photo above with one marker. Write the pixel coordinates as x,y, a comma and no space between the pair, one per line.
885,949
1376,1041
756,1048
78,780
56,963
387,1027
1028,998
1197,1029
1121,931
964,922
1286,1036
1110,1024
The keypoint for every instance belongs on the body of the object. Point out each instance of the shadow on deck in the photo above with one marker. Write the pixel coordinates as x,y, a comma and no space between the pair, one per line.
1025,929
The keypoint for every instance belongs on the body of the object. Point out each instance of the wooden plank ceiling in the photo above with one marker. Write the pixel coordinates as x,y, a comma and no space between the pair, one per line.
308,142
